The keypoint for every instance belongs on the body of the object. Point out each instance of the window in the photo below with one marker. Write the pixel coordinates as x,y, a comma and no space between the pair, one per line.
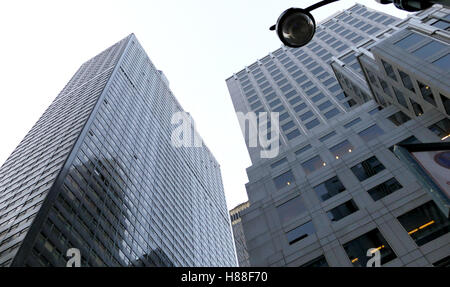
295,133
389,70
306,115
325,137
303,149
278,163
445,103
357,248
406,81
331,113
342,210
425,223
441,24
352,123
348,104
385,87
313,164
418,111
312,124
399,118
400,98
371,133
384,189
290,209
429,49
443,63
444,262
367,168
341,149
329,188
299,107
284,179
300,232
409,41
288,126
318,262
376,110
324,105
427,94
441,128
283,116
317,98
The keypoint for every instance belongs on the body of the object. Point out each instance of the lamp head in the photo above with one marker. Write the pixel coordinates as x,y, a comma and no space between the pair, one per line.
295,27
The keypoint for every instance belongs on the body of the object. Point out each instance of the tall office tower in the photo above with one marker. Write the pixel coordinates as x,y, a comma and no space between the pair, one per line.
390,70
336,189
238,233
98,173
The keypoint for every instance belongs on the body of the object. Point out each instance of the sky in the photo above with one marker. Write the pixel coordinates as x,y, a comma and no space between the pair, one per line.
196,43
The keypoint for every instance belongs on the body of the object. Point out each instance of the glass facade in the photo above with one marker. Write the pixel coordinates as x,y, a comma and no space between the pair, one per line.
123,194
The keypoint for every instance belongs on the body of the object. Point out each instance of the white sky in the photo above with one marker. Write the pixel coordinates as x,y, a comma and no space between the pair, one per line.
197,43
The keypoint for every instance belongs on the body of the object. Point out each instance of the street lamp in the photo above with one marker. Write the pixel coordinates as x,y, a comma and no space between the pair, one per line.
296,26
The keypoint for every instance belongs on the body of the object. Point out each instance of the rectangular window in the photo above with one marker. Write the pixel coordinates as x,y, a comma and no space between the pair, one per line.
318,262
278,163
284,179
288,126
429,49
295,133
443,63
299,107
352,123
409,41
399,118
358,247
441,128
331,113
367,168
329,188
313,164
300,232
290,209
306,115
317,98
409,140
384,189
312,124
425,223
324,105
341,149
342,210
327,136
303,149
371,133
445,103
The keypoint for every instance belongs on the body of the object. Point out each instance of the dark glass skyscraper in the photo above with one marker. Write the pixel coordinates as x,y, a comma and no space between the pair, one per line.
98,172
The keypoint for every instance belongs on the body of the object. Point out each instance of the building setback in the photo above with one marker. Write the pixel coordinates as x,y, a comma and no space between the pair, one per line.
98,172
336,188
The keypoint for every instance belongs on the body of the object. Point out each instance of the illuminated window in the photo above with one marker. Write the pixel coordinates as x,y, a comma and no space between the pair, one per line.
427,94
357,248
425,223
342,149
418,111
441,129
313,164
284,179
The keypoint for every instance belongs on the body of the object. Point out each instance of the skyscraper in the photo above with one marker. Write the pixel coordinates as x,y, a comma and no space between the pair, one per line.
238,234
336,189
98,172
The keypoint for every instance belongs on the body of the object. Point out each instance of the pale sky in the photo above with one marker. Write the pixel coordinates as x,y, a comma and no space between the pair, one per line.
197,43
